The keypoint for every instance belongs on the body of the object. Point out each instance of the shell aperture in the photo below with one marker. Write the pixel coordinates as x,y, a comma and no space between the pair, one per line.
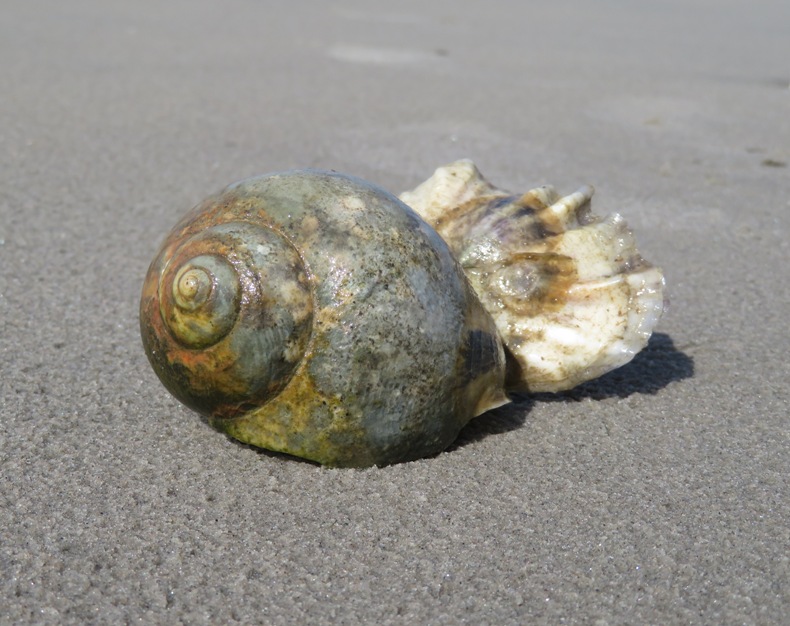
312,313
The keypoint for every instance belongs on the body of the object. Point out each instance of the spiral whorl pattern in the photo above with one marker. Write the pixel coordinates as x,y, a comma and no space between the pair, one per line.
201,303
232,318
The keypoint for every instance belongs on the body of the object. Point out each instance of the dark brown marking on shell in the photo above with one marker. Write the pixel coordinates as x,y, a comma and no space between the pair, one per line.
505,218
480,354
550,275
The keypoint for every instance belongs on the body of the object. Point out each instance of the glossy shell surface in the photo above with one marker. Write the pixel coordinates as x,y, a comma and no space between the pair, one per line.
312,313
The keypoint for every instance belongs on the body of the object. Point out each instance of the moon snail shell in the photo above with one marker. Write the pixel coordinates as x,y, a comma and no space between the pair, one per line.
312,313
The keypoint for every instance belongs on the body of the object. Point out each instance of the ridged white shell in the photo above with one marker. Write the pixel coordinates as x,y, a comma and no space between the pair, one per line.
570,294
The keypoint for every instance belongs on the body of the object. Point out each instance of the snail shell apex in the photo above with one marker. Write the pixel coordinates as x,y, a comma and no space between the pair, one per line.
312,313
234,315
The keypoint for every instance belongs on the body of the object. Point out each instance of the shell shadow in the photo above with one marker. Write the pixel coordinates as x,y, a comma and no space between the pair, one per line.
656,366
501,420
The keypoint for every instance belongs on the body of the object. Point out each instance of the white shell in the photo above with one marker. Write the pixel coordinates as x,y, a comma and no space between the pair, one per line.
569,293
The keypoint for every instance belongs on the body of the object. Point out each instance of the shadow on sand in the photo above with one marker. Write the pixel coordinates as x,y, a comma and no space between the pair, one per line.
655,367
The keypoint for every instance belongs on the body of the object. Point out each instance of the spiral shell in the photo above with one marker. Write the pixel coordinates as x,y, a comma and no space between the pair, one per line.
311,313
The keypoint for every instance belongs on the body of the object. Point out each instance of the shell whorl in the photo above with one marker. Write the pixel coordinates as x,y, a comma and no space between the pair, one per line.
201,303
234,316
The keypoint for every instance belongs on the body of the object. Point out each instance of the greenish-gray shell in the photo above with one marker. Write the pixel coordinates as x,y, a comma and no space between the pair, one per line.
315,314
